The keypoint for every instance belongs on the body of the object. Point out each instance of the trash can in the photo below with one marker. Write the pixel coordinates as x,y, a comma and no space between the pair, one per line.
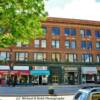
51,91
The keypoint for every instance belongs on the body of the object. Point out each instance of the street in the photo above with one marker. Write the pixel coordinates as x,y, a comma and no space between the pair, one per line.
38,90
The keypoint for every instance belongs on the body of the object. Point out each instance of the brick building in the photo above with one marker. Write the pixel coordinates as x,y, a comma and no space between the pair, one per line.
68,53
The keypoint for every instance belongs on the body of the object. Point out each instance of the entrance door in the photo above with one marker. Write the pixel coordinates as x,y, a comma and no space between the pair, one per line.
40,80
71,79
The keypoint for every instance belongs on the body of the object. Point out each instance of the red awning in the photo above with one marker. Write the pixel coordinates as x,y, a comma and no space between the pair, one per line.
24,72
14,72
4,72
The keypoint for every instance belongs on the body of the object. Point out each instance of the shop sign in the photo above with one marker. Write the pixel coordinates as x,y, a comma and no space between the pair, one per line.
40,72
98,68
70,68
89,70
3,67
26,72
20,67
40,67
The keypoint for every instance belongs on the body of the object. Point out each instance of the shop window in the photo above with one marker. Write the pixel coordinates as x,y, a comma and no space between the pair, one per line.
97,34
67,44
21,56
55,57
98,45
40,56
98,58
55,31
55,79
87,58
83,44
71,57
4,56
36,43
43,44
55,43
73,44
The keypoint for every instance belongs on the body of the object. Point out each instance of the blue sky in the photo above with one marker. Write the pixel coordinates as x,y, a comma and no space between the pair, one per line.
79,9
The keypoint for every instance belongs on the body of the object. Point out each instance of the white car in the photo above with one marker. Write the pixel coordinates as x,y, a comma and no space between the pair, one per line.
88,93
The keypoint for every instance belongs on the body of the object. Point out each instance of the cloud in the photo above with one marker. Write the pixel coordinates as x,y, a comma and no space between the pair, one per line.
80,9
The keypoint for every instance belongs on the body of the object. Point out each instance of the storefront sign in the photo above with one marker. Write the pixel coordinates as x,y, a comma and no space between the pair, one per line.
89,70
26,72
4,67
40,67
71,69
98,68
40,72
20,67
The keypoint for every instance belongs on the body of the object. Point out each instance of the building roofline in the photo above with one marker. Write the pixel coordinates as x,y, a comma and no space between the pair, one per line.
72,21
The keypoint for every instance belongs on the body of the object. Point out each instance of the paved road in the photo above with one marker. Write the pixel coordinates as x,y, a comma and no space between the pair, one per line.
38,90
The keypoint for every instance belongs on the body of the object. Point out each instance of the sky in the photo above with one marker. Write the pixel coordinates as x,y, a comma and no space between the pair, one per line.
76,9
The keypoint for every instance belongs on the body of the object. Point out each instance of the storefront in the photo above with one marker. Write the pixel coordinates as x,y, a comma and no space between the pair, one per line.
88,74
21,74
39,75
98,74
71,75
4,74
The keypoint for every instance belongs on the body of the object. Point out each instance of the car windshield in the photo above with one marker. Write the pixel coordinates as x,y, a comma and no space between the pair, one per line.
81,96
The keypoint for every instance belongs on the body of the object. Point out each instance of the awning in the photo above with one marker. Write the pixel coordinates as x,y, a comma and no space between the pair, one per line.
4,67
89,70
20,67
40,72
19,72
4,72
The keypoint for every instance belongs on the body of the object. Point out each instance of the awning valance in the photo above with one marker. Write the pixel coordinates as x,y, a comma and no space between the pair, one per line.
89,70
40,72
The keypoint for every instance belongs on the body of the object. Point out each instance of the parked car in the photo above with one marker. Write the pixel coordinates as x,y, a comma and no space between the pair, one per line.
88,93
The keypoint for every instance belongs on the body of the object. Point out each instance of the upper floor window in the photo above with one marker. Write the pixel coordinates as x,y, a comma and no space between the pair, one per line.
87,57
71,57
98,58
19,44
55,31
73,44
40,56
85,33
4,56
89,45
97,45
44,29
55,57
21,56
36,43
69,31
43,44
67,44
82,33
55,43
88,33
97,34
83,44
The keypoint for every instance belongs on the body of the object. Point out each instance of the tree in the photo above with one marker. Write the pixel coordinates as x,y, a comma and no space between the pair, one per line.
20,20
